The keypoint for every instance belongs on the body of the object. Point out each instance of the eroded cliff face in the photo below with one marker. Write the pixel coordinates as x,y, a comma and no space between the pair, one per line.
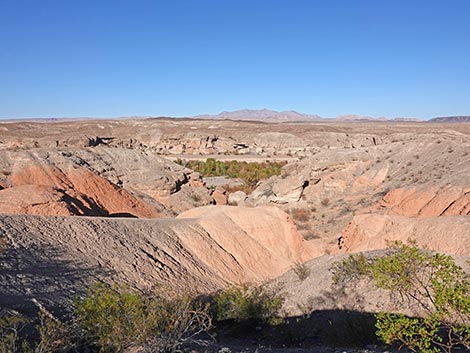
433,217
431,201
367,232
81,191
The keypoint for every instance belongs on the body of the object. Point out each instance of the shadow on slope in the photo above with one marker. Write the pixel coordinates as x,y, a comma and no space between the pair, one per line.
40,275
336,328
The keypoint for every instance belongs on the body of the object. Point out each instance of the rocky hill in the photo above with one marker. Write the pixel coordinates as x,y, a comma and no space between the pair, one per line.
52,259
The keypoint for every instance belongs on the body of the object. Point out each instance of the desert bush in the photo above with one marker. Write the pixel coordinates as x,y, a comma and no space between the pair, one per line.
311,234
351,268
3,245
180,321
195,197
53,335
230,189
114,318
304,227
325,202
431,283
246,303
11,326
301,270
300,214
45,334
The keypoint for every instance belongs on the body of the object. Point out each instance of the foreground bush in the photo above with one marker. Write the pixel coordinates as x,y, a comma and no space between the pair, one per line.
431,283
249,304
116,318
49,334
11,326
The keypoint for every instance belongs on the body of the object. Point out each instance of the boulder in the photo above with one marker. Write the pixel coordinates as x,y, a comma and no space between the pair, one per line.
219,196
279,190
237,198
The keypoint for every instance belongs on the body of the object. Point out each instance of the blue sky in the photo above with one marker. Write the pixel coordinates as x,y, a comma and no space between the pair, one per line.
107,58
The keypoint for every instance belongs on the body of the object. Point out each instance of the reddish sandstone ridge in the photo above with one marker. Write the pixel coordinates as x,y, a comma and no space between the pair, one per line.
42,199
69,191
435,217
260,242
120,181
426,202
372,232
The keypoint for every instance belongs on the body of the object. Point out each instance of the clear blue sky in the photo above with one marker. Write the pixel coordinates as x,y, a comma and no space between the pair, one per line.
184,57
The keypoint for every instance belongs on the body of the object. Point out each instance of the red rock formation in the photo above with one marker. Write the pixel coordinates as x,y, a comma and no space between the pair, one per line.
373,231
426,202
260,242
46,200
106,198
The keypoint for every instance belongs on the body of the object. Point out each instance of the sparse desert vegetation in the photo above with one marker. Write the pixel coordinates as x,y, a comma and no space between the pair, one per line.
113,318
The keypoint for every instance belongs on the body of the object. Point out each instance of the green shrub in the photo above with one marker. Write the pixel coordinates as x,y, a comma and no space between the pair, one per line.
114,318
432,283
45,334
53,335
351,268
248,303
11,326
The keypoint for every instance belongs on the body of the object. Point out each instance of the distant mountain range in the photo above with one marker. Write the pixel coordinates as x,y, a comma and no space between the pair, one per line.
370,118
262,115
451,119
267,115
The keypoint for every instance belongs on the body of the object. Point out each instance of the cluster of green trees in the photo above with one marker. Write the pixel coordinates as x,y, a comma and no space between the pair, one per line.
115,318
250,173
